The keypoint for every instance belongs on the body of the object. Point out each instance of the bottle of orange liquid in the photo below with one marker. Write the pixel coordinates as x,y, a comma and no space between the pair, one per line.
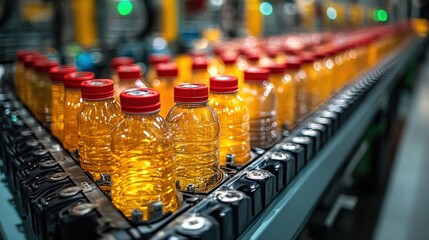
313,92
99,115
293,71
30,76
284,86
233,117
73,106
217,66
42,91
143,165
20,70
130,76
167,78
117,62
154,60
260,98
57,98
195,128
200,73
229,60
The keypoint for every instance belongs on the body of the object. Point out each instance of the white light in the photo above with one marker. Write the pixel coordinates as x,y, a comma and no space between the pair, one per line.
331,13
216,3
159,43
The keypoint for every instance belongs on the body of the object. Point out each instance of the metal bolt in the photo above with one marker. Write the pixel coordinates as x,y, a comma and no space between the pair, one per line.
82,209
229,196
258,174
193,223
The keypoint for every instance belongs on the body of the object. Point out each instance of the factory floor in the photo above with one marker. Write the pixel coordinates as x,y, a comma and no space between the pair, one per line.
404,212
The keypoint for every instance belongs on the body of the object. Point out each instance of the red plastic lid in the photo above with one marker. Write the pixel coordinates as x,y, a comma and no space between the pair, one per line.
97,89
307,57
159,58
293,63
253,56
58,73
223,84
30,60
140,101
272,52
132,71
191,93
167,70
120,61
254,73
197,53
229,58
75,79
321,54
43,66
199,63
276,68
218,49
20,54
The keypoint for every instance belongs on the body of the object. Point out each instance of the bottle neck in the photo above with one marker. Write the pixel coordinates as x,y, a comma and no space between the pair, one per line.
109,99
192,104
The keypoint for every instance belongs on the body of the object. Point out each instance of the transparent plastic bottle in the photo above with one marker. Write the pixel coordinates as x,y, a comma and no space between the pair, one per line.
41,88
233,117
117,62
216,66
196,130
167,78
99,115
30,76
313,92
57,98
229,60
130,76
323,84
200,72
154,60
284,86
143,165
73,106
20,70
260,98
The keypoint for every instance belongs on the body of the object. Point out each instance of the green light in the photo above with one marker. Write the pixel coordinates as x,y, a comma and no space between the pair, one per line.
266,8
382,15
125,7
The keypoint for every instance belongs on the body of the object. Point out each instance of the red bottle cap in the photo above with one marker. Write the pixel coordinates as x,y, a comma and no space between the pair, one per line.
43,66
321,54
197,53
20,54
218,49
74,80
97,89
256,74
167,70
30,60
293,63
223,84
120,61
253,56
191,93
57,73
159,58
140,101
307,57
276,68
229,58
132,71
272,52
200,63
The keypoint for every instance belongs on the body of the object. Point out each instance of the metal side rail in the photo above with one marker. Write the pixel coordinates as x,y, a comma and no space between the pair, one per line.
290,210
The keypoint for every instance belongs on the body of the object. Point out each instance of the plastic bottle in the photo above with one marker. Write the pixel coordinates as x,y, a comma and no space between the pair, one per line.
313,92
154,60
294,71
167,78
233,117
284,86
73,106
195,128
99,115
260,98
30,76
200,72
117,62
143,166
229,60
130,76
217,66
57,98
41,88
20,70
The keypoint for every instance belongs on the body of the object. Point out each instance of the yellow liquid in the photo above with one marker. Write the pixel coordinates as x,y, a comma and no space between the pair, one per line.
57,109
124,84
143,166
284,85
322,82
19,78
199,76
95,124
42,97
232,69
327,88
196,131
151,75
234,126
27,87
313,93
73,104
340,72
302,101
261,101
216,66
166,88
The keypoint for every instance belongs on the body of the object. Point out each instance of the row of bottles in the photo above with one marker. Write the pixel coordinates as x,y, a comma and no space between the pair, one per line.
146,135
